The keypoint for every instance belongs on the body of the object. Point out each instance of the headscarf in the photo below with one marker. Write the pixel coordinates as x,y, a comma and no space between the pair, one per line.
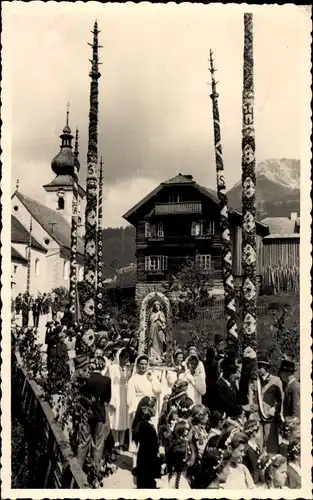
137,361
198,368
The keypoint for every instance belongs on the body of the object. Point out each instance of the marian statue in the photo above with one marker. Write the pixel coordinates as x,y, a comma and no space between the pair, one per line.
156,332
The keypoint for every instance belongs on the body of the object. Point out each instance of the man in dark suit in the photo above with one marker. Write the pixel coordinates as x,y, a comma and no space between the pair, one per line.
226,395
96,395
36,308
291,404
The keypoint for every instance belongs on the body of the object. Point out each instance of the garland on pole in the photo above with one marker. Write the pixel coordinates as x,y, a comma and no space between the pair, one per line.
99,303
227,262
29,255
91,193
249,285
73,266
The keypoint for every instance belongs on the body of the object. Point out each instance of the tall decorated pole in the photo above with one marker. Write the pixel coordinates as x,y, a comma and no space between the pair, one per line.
29,255
249,285
73,264
99,302
227,263
90,264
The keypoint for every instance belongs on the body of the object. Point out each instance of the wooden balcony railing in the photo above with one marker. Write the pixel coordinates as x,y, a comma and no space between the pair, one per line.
178,208
50,461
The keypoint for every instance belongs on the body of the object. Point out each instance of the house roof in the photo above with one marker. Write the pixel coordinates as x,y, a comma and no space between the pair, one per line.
19,234
52,222
280,225
15,255
181,180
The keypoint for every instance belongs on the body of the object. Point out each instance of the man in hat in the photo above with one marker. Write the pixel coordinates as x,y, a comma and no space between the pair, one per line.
225,395
291,405
268,396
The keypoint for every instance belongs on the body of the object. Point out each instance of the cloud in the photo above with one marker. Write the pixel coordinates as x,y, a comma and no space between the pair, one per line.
155,116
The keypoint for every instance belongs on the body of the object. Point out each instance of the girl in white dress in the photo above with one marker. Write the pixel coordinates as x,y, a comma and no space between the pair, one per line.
195,377
119,374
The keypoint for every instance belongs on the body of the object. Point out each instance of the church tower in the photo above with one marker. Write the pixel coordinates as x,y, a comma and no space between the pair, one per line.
59,192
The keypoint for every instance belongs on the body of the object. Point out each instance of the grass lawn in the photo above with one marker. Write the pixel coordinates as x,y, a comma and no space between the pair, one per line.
275,341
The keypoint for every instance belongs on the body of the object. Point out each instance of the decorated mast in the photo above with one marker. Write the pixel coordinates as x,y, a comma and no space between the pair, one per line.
73,265
29,255
91,193
249,285
99,301
227,263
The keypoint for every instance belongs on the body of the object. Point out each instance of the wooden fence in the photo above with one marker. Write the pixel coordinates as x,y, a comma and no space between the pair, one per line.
217,311
50,460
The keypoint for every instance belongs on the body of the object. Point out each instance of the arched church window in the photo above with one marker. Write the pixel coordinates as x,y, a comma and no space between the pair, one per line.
66,269
37,267
61,203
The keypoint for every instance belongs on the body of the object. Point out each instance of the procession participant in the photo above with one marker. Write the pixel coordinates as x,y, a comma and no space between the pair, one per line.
198,438
268,393
184,407
70,345
211,367
253,450
274,471
94,431
180,457
193,351
294,464
215,467
18,303
291,404
148,465
25,309
290,430
216,420
142,383
195,377
225,395
119,374
239,477
57,358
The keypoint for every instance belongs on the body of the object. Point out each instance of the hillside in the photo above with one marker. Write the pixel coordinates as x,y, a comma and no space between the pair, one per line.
278,188
118,248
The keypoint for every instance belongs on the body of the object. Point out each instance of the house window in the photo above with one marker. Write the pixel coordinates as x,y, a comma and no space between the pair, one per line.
61,203
37,267
66,270
204,261
154,230
174,197
156,263
15,269
202,228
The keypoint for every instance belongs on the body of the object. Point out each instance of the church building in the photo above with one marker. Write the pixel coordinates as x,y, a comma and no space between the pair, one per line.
46,228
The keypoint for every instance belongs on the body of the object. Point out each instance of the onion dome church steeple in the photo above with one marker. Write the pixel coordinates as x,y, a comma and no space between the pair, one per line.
63,163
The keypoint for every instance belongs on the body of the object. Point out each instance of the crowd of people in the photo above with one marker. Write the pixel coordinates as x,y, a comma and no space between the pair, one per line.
39,305
185,425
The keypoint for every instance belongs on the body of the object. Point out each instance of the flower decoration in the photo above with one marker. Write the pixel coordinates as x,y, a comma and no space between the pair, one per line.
91,248
88,338
89,307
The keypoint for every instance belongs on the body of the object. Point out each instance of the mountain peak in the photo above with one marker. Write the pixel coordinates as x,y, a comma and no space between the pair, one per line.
284,171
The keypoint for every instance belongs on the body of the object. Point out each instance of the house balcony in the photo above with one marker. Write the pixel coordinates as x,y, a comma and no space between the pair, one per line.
179,208
207,236
155,237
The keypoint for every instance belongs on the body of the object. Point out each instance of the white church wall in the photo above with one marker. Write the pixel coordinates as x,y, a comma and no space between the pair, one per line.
19,277
37,269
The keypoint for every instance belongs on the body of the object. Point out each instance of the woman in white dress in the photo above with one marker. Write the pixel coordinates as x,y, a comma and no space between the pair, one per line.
119,374
195,377
142,383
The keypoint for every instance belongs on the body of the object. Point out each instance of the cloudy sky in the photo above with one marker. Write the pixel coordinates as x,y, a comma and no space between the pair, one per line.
155,115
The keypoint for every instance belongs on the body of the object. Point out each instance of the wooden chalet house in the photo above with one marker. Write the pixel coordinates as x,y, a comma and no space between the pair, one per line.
179,220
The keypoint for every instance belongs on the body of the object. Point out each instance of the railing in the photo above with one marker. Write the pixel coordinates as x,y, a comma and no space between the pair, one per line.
217,311
179,207
50,461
